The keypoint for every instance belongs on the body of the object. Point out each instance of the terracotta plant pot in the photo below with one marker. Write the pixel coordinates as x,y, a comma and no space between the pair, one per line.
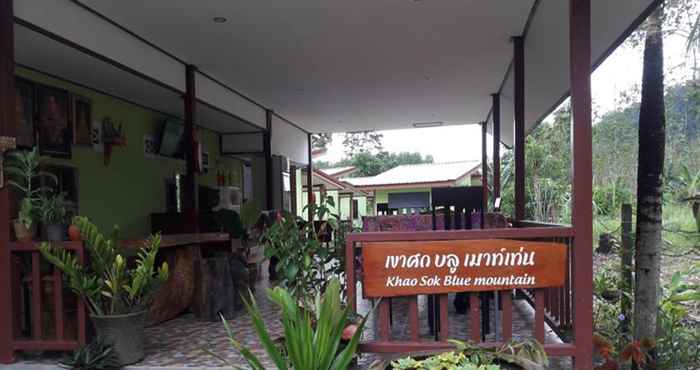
74,233
22,233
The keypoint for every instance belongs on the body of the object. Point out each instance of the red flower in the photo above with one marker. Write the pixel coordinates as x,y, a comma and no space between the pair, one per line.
349,331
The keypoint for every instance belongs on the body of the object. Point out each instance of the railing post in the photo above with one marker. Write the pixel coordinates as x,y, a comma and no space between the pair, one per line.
582,215
350,275
7,137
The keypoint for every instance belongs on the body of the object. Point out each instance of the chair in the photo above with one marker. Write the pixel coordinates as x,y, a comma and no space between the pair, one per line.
457,205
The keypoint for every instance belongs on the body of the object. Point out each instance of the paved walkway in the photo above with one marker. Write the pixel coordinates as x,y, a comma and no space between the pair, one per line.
180,343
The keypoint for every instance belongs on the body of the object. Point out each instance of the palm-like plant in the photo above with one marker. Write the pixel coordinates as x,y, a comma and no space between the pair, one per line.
23,170
686,183
52,208
108,286
310,342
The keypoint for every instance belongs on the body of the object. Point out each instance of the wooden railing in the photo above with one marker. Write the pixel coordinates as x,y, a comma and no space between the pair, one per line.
553,305
48,317
558,300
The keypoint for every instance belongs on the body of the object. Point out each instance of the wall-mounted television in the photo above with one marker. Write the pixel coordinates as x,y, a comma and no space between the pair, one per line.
171,139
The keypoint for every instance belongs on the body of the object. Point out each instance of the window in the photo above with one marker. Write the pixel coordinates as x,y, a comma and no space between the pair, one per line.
67,184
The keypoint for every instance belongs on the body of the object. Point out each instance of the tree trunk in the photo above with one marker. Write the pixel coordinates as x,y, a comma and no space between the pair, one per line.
652,137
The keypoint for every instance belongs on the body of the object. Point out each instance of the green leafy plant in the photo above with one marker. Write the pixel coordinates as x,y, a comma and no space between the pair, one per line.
444,361
108,285
528,354
312,338
96,355
307,251
22,168
679,340
26,213
52,208
686,184
237,224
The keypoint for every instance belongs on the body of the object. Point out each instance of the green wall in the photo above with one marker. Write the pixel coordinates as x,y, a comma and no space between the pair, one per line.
133,186
343,205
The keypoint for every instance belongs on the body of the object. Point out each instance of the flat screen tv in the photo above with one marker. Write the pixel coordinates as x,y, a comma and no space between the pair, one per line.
171,139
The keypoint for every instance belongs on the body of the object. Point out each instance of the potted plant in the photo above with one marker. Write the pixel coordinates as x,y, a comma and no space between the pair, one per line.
23,172
307,252
514,355
240,228
116,293
52,209
313,337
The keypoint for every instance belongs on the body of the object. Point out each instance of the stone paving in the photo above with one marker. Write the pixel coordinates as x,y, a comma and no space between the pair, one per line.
181,343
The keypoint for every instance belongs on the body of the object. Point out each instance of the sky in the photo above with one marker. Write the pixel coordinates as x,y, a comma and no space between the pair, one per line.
620,72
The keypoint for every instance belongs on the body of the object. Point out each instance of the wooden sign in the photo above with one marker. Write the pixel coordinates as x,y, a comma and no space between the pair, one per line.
393,269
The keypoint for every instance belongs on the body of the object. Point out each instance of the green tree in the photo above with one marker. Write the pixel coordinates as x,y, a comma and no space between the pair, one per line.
321,141
362,142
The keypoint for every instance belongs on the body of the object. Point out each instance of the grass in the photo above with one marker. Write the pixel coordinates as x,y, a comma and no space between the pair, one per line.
680,229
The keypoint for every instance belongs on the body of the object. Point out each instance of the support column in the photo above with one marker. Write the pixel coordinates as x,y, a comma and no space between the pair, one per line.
519,131
190,193
582,210
293,190
496,117
351,207
309,180
267,148
484,172
7,140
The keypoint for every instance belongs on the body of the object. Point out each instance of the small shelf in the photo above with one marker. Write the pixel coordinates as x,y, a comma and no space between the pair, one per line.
33,246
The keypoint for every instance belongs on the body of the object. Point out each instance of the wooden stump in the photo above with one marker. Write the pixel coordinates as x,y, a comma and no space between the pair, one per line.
214,291
176,295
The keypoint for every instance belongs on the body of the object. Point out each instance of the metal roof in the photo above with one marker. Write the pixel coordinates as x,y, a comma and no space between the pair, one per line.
334,171
418,174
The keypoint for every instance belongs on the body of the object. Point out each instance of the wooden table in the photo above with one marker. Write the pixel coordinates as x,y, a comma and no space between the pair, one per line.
183,253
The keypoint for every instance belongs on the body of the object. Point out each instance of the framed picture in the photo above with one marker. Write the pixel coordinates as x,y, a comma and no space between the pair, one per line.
82,120
53,125
24,113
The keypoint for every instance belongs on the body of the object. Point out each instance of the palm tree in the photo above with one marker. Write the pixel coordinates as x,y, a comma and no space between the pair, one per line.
652,138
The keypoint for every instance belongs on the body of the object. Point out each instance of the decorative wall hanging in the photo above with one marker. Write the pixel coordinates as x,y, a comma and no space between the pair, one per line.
112,135
53,125
82,120
150,146
96,137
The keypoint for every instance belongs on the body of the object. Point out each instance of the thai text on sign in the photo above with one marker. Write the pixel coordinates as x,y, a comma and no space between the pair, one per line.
433,267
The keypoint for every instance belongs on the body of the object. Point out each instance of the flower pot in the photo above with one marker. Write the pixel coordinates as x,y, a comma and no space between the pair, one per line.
55,232
22,233
74,233
124,333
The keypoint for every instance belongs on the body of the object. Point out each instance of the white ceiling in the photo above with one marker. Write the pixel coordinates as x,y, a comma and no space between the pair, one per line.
342,65
44,54
336,65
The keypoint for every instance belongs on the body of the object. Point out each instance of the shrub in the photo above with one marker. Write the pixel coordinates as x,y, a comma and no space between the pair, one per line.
312,339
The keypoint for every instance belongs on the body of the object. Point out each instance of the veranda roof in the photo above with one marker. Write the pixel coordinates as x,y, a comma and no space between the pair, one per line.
322,66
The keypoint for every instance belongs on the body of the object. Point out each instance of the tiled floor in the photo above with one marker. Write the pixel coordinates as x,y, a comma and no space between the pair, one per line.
183,342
